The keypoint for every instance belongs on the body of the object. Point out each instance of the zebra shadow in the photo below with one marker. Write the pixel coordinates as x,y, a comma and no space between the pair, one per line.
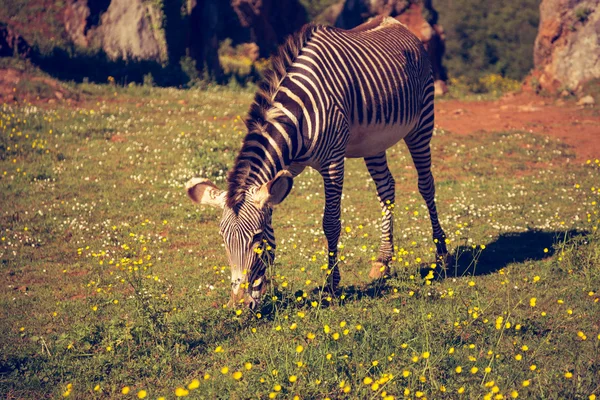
466,260
508,248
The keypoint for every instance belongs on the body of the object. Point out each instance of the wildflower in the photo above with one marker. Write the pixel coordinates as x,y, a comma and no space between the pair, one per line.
367,380
526,383
293,378
532,301
299,349
237,375
125,390
219,349
514,394
406,373
310,336
458,369
474,370
568,375
461,390
224,370
425,355
142,394
532,367
326,329
181,392
336,336
248,366
194,384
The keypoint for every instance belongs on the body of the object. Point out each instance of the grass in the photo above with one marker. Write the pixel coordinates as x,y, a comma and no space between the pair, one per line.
114,284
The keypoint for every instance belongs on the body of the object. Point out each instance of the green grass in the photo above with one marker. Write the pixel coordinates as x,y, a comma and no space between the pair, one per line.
113,279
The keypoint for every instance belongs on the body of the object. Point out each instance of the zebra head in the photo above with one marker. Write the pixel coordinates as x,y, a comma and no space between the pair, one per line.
246,230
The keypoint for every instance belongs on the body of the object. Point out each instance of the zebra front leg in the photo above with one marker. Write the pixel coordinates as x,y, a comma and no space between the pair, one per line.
386,192
333,177
421,154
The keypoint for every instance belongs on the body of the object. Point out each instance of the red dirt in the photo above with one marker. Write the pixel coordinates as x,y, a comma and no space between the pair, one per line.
576,126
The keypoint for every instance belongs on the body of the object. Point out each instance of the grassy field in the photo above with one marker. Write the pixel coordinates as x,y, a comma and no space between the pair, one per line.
114,283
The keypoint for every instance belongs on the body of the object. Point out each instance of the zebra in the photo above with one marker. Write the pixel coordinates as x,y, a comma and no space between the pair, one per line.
331,94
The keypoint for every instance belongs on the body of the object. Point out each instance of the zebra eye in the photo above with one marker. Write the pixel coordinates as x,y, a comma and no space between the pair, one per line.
256,236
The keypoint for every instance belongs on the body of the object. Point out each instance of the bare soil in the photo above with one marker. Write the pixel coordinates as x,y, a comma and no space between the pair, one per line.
575,125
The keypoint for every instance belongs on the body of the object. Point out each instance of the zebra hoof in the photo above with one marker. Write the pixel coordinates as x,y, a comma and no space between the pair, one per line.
379,270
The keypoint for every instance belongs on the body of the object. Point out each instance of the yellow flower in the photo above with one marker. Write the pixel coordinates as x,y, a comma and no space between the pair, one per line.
142,394
461,390
568,375
526,383
336,336
224,370
248,366
219,349
532,301
458,369
237,375
125,390
326,329
514,394
194,384
474,370
425,355
310,336
181,392
299,349
293,378
406,373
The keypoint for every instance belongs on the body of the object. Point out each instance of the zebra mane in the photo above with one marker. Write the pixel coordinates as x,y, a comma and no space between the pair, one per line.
262,111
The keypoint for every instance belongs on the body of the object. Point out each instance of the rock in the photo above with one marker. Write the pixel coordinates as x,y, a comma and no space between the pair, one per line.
130,31
440,88
586,101
75,19
566,50
124,29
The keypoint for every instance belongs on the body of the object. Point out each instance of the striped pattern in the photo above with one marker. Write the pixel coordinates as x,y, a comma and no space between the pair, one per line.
332,94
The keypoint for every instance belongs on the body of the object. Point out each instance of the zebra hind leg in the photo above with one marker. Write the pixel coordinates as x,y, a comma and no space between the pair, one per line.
386,193
420,151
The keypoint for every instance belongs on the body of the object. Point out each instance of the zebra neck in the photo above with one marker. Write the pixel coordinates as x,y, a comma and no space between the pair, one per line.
264,153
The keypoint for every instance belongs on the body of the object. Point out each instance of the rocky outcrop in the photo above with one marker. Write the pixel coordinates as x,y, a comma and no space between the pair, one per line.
124,29
567,47
270,21
419,16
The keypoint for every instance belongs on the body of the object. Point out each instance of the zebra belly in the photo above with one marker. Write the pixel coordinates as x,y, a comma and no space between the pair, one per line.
366,141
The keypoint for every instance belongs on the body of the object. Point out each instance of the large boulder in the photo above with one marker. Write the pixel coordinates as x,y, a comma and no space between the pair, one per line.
131,30
567,47
127,30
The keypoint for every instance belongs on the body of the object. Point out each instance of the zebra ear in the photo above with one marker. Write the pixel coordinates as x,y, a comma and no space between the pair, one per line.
203,191
274,191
